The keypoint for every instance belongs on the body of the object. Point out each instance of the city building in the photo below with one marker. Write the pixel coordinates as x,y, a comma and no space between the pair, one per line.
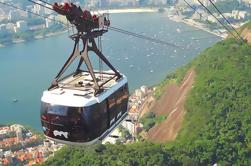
2,14
7,154
247,2
211,19
21,26
15,127
38,9
3,29
239,15
19,134
171,2
14,15
32,154
139,94
49,21
129,3
29,14
47,143
144,89
157,2
1,153
10,27
29,134
205,2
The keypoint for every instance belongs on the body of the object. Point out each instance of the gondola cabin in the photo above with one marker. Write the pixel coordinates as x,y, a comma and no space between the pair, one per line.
72,114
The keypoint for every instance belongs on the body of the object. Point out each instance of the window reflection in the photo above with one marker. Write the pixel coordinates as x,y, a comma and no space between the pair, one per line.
84,123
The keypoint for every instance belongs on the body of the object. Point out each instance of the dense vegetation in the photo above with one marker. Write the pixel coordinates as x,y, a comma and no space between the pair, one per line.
217,126
144,154
228,6
218,122
150,119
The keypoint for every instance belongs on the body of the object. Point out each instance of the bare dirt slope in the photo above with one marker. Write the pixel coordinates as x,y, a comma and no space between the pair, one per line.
246,34
171,104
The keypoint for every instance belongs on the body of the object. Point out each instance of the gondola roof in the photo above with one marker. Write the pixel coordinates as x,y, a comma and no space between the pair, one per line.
77,91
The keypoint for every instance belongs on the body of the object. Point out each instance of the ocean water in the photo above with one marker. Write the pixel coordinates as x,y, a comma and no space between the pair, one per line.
27,69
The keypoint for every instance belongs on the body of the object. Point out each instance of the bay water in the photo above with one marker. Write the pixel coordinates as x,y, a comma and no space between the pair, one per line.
26,69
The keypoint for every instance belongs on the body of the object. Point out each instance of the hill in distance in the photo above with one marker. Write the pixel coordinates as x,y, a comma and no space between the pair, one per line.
216,127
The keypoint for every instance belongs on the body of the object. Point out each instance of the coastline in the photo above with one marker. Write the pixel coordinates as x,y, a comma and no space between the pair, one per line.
110,11
37,37
174,18
128,10
197,25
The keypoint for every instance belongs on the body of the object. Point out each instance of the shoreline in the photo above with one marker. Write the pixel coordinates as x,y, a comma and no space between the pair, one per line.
110,11
128,10
37,37
196,25
175,18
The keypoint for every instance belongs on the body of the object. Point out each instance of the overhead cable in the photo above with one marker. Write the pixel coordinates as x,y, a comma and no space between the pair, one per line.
143,37
46,17
127,32
46,2
40,4
195,10
226,19
217,19
154,40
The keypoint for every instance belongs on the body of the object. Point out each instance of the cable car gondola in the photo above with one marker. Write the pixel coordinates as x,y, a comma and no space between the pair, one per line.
72,114
85,106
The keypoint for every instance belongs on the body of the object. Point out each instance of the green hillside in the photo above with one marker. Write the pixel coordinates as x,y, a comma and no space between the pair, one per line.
217,126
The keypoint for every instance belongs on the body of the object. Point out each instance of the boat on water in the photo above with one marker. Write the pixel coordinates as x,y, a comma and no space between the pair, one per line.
14,100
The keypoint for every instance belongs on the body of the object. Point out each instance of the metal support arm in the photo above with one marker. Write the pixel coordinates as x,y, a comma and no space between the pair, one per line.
103,58
73,55
85,58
